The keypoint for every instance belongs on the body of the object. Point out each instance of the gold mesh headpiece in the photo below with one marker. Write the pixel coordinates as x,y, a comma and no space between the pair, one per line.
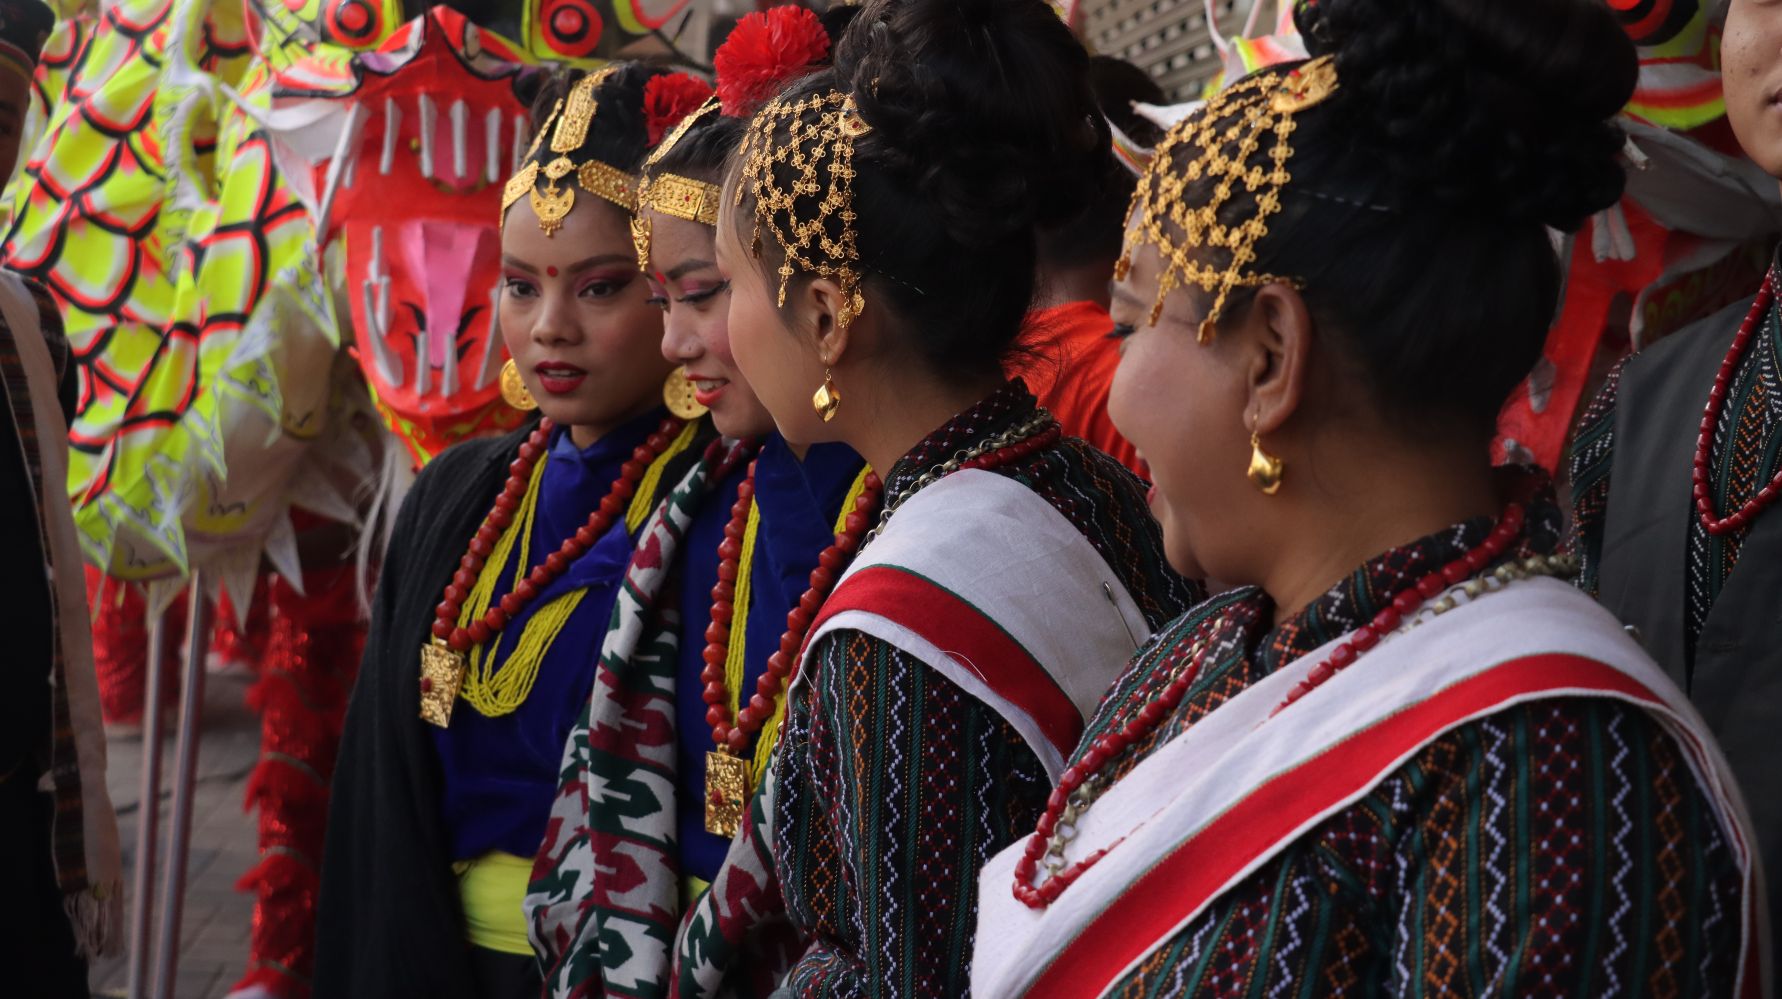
800,180
671,193
571,118
1223,148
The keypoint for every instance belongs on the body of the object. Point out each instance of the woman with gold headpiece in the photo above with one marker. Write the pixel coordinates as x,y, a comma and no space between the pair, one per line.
879,243
742,574
504,570
1402,759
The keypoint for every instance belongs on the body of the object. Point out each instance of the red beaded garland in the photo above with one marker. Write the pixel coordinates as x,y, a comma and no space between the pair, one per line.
1016,451
734,733
1741,518
527,588
1402,605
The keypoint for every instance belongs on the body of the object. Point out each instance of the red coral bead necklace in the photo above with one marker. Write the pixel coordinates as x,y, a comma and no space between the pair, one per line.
734,733
1741,518
726,773
1067,803
726,780
443,661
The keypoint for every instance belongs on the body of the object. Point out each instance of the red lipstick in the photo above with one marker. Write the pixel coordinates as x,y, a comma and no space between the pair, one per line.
559,378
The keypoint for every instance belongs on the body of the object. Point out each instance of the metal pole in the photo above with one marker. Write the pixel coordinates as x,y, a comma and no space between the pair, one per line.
148,808
179,835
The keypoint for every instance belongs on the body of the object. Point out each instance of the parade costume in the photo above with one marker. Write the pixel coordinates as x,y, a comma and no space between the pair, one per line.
1502,834
635,788
685,719
1696,587
481,659
952,666
392,921
902,767
1443,775
798,507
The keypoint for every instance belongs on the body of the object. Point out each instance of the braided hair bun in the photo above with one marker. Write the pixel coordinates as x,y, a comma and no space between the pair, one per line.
979,125
980,107
1502,107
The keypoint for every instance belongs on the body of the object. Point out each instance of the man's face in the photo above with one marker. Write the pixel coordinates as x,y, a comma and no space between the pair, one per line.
1751,73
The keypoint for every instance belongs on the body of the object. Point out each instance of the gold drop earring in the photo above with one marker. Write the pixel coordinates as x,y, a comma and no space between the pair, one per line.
827,399
1266,470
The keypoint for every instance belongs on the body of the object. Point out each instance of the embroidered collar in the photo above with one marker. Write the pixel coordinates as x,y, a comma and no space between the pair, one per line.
1004,408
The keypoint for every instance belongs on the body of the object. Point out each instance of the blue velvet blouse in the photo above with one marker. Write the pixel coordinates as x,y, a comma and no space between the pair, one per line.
499,775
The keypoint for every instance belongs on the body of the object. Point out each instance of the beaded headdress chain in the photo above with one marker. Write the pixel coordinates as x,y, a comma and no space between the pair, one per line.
792,204
538,178
1223,148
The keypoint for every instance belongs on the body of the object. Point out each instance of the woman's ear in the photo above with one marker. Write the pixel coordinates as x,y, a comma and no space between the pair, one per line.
1278,338
818,306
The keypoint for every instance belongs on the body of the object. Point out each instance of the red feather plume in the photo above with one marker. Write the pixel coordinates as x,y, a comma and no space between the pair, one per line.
669,98
765,50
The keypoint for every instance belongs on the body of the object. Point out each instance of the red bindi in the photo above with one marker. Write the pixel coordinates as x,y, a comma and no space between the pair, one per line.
550,272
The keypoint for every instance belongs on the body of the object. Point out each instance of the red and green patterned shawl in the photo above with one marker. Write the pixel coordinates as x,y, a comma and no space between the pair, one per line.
606,888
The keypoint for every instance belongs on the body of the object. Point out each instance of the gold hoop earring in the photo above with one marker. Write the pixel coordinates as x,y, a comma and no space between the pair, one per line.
513,390
827,399
1266,470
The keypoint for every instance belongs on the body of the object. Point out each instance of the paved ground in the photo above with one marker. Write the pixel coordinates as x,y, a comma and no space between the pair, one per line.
214,930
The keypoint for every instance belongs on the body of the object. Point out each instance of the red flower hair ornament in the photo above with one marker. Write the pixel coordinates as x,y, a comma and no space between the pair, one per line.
669,98
765,50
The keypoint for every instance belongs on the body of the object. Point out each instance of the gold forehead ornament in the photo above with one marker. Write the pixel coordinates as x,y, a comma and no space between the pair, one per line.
672,194
571,117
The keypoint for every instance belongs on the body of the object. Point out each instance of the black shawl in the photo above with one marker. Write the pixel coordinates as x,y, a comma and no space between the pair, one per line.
389,923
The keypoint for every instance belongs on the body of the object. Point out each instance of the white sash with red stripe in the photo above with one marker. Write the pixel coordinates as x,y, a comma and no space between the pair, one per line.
1223,798
984,581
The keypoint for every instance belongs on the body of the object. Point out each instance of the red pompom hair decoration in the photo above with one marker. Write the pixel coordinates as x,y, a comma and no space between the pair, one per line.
765,50
669,98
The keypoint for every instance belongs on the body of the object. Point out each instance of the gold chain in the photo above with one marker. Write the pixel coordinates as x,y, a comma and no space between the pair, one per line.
1032,426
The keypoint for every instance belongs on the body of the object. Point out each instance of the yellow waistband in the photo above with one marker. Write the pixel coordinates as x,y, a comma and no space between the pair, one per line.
691,889
492,889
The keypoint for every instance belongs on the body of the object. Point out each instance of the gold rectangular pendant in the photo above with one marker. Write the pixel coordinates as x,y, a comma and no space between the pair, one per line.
442,673
726,793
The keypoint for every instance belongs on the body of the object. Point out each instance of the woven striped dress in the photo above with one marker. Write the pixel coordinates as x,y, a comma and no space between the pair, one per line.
894,784
1557,847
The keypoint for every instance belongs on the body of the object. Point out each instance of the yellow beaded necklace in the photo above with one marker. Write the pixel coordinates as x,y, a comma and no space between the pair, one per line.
769,735
496,687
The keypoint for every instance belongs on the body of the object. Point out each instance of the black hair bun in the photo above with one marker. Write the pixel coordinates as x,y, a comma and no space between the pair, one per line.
1118,85
980,106
1503,107
836,21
